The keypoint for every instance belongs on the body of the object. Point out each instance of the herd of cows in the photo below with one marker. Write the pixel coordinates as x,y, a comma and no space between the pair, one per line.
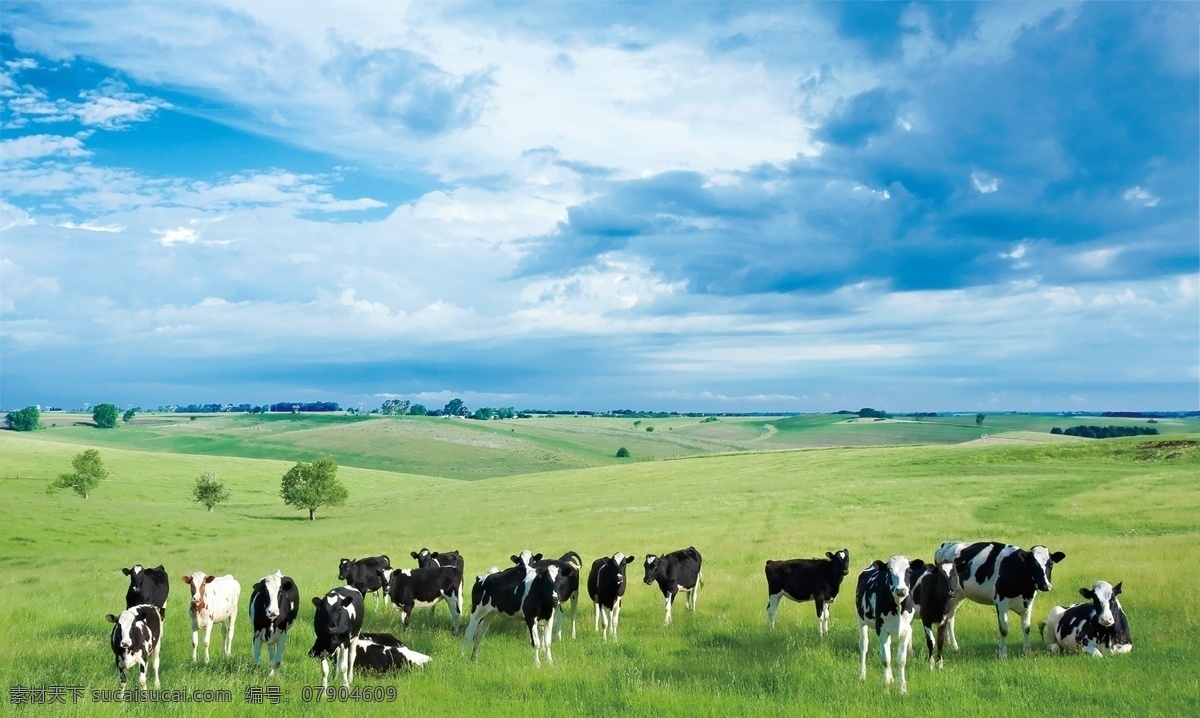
888,597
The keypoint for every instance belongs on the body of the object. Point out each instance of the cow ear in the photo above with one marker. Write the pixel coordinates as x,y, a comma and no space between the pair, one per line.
209,579
287,586
1057,556
316,601
187,579
111,618
630,559
829,555
1117,589
413,554
435,554
160,568
537,557
1087,593
878,565
917,565
347,600
259,587
515,559
126,571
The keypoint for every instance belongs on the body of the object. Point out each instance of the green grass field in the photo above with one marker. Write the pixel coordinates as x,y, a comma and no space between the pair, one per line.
1120,513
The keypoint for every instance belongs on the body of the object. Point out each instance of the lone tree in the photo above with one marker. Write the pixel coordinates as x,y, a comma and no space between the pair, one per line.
105,415
24,420
622,453
128,415
979,419
311,486
89,472
208,491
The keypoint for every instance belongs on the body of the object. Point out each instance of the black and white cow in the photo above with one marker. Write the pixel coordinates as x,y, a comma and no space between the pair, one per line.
934,595
274,606
426,558
1002,576
1096,627
136,637
884,601
807,579
383,652
147,585
336,623
365,574
412,588
606,586
214,600
521,592
569,564
674,571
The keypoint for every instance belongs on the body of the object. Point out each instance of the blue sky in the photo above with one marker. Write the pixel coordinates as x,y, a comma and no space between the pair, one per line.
683,206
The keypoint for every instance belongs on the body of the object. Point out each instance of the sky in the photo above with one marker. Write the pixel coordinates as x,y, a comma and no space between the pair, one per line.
672,206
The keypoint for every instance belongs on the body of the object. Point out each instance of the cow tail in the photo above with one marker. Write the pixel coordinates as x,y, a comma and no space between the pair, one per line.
1042,629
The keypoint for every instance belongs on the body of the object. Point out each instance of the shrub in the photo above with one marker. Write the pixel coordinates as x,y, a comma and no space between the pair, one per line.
622,453
208,491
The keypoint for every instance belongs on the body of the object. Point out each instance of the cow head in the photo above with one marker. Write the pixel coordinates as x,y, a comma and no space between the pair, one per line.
841,560
344,568
948,583
123,631
1042,564
619,562
552,583
272,586
333,616
136,576
198,581
423,557
901,575
525,558
652,564
1103,596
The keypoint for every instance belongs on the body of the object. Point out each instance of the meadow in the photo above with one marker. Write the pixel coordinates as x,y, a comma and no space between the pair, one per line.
1121,509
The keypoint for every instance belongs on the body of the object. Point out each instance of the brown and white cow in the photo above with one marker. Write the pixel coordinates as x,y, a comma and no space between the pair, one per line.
214,600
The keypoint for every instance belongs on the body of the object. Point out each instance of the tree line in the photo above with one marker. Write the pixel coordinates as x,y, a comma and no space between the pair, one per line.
1104,432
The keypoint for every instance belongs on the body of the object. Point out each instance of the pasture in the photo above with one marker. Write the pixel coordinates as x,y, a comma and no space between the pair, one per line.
1120,512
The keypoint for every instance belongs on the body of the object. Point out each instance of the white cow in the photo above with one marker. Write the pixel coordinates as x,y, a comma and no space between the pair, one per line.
214,600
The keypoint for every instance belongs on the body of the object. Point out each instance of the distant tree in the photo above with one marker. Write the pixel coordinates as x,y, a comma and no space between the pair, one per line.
455,407
484,413
128,415
417,410
89,472
622,453
208,491
25,419
105,415
637,423
649,428
979,419
506,412
311,486
395,407
869,413
1056,430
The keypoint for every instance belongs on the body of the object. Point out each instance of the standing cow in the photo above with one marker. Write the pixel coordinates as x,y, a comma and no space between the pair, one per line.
136,637
337,622
1002,576
807,579
674,571
214,600
1096,627
412,588
934,596
274,606
147,585
366,575
569,565
606,586
521,592
884,602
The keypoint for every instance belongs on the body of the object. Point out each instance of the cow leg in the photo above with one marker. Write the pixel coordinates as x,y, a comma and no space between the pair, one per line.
277,663
941,644
1002,621
773,601
1026,621
142,671
455,606
258,648
351,655
670,597
532,627
596,621
195,640
1090,648
546,640
825,618
229,633
405,612
693,594
929,641
324,672
905,644
207,640
950,627
121,672
885,650
469,633
615,616
863,642
157,652
343,664
574,613
557,622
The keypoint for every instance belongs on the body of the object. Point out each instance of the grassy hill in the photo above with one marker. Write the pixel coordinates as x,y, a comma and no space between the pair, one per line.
1120,512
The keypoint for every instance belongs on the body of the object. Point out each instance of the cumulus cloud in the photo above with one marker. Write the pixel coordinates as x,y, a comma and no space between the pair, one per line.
36,146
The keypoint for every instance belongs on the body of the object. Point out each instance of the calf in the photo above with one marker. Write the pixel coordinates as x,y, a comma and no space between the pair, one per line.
214,600
807,579
336,623
884,598
1096,628
383,652
569,565
147,585
606,587
673,571
135,637
426,558
934,595
1005,577
365,574
420,587
274,606
522,592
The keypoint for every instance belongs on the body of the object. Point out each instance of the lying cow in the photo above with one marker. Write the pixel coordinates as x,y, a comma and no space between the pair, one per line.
1096,627
365,574
934,595
274,606
383,652
1004,577
884,602
214,600
807,579
336,623
674,571
136,637
147,585
413,588
606,586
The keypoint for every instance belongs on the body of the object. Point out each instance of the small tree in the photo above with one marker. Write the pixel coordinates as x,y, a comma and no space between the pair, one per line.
105,415
417,410
24,420
311,486
979,419
89,472
622,453
128,415
484,413
208,491
455,407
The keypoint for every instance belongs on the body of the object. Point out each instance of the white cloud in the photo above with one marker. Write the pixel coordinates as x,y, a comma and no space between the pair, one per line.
34,146
1141,196
179,235
985,182
12,217
93,227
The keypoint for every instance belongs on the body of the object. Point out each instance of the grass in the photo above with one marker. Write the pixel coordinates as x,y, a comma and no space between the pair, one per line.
1120,513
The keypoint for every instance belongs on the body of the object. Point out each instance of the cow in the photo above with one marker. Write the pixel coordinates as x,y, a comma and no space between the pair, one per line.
807,579
147,585
606,587
364,574
426,559
274,606
214,600
412,588
521,592
383,652
1005,577
934,595
883,599
1096,627
673,571
136,636
569,564
337,622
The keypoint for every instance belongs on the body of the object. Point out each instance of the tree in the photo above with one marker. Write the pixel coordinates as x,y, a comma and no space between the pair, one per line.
208,491
455,407
24,420
394,407
105,415
128,415
89,472
417,410
311,486
506,412
979,419
622,453
484,413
